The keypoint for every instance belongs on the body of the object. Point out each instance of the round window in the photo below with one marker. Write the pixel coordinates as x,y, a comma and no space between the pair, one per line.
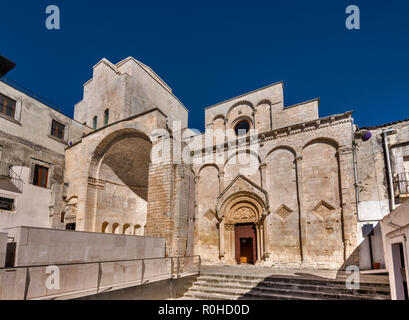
242,127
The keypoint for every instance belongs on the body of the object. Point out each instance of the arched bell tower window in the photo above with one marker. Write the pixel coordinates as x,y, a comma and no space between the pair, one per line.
242,127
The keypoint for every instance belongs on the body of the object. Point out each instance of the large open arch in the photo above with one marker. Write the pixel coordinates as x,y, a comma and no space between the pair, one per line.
118,180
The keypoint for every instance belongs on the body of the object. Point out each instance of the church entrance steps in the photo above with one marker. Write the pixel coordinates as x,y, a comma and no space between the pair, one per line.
246,283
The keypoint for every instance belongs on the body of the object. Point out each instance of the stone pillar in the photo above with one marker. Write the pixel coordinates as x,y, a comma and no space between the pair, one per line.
221,239
301,209
348,200
258,239
230,256
221,182
263,169
262,246
266,239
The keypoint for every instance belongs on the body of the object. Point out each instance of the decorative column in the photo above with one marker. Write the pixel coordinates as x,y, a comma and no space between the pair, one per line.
348,200
258,231
221,239
263,170
262,246
229,244
301,210
221,182
266,239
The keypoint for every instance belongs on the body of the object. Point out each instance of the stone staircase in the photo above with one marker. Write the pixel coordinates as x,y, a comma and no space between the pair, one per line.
224,286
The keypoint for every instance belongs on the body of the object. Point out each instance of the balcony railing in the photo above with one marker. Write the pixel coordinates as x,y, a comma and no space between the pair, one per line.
401,184
7,172
30,93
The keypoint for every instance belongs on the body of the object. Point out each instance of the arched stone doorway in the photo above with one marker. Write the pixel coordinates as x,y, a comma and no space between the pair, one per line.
241,229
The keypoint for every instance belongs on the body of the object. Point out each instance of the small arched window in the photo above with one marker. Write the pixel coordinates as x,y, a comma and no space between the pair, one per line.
95,122
242,127
115,227
106,116
104,227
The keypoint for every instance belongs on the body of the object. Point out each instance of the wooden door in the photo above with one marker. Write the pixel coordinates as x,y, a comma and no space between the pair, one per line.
245,231
246,250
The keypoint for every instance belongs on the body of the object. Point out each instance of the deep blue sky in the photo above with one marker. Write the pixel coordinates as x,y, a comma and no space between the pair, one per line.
209,51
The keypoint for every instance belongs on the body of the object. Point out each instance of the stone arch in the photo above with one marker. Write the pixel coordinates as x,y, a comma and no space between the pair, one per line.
281,185
243,151
321,186
246,112
240,164
104,227
208,165
264,101
247,197
219,116
118,178
237,104
326,140
115,228
240,209
136,229
126,229
112,138
283,147
239,119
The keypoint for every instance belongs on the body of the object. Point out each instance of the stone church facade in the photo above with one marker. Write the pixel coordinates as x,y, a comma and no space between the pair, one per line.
143,171
266,183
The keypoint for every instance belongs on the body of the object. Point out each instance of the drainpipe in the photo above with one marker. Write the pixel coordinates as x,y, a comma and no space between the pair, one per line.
388,164
356,185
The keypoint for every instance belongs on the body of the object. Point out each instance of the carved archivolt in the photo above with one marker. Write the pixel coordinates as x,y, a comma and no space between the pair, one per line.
242,209
71,209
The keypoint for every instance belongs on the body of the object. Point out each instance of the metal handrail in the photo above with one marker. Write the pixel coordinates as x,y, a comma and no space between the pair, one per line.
101,261
4,169
96,288
7,171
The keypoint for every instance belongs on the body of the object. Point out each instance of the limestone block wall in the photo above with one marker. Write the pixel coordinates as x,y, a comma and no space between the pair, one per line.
126,89
40,246
263,109
206,225
307,172
271,95
295,114
107,173
171,207
281,185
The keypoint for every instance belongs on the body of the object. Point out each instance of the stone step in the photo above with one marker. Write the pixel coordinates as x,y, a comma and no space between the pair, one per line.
249,284
265,291
228,296
283,279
